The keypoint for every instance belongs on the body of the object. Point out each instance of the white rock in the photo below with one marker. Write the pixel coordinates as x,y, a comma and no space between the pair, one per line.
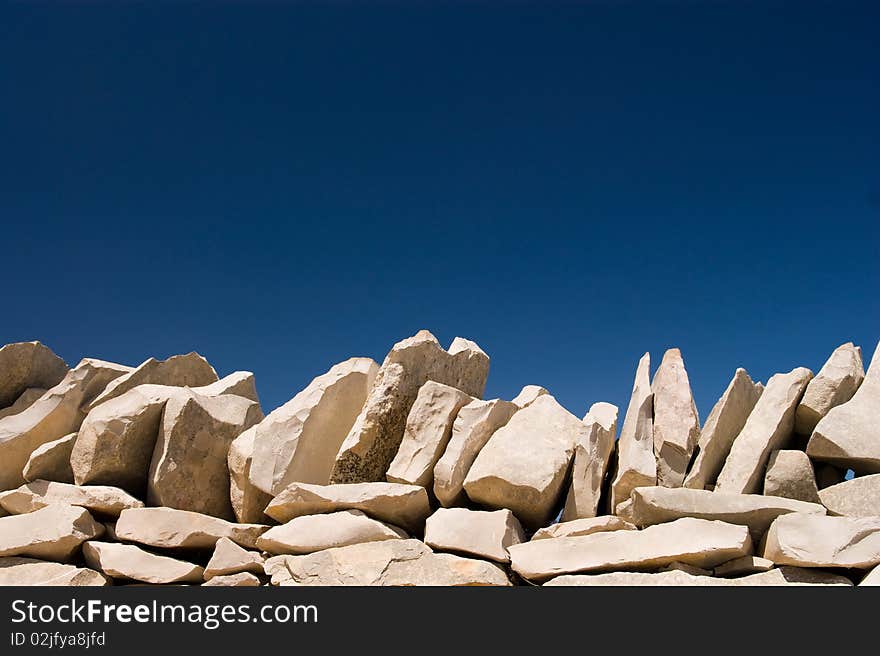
474,532
587,526
872,578
167,528
676,422
26,365
238,383
97,499
527,395
15,571
240,580
744,565
591,458
51,533
23,402
51,461
310,533
126,561
248,501
857,497
229,558
790,474
836,382
822,541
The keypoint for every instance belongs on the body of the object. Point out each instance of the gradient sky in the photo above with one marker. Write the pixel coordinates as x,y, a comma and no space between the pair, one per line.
282,187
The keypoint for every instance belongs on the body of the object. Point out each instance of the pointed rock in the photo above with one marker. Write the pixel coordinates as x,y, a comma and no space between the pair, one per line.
579,527
744,566
775,577
229,558
474,532
857,497
238,383
51,533
872,578
790,474
836,382
305,535
676,423
16,571
240,580
528,394
126,561
591,458
97,499
821,541
27,364
167,528
248,501
23,402
51,461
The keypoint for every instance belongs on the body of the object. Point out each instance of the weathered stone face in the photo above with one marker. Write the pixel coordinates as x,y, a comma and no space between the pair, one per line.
591,458
51,461
587,526
126,561
310,533
229,558
676,422
27,365
474,532
98,499
527,395
821,541
790,474
857,497
16,571
776,577
248,501
23,402
168,528
836,382
239,580
51,533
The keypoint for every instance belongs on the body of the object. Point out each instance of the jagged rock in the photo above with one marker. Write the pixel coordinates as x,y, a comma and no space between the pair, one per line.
16,571
27,364
51,461
248,501
587,526
847,435
310,533
23,402
836,382
57,413
240,580
636,465
872,578
790,474
375,436
298,442
97,499
402,505
168,528
229,558
474,532
392,562
656,505
524,464
238,383
472,429
676,423
190,370
724,423
51,533
591,458
821,541
768,428
744,565
527,395
126,561
697,542
775,577
858,497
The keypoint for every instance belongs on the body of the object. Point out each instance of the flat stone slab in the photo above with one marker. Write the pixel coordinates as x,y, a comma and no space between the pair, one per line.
51,533
310,533
229,558
821,541
168,528
33,572
781,576
484,534
586,526
857,497
744,565
126,561
99,499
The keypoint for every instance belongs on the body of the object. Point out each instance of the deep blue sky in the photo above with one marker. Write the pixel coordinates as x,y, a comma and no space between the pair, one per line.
283,187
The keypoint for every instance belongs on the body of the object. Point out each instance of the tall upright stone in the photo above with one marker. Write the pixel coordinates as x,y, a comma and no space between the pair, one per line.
836,382
790,475
591,458
26,365
676,422
248,501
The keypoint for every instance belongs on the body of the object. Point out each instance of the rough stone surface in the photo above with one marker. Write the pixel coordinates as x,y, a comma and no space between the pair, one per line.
588,526
240,580
298,442
768,428
51,461
790,474
27,364
775,577
527,395
836,382
23,402
229,558
822,541
248,501
402,505
676,422
238,383
97,499
473,427
378,430
474,532
591,458
724,423
51,533
310,533
168,528
743,566
126,561
524,464
31,571
858,497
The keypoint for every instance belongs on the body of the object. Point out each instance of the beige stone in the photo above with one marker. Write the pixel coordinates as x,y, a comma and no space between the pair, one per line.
474,532
624,510
836,382
248,501
229,558
847,435
402,505
743,566
388,563
687,569
527,395
373,440
126,561
190,370
97,499
167,528
636,465
27,364
473,427
790,474
776,577
676,422
238,383
51,461
15,571
697,542
298,442
427,432
872,578
51,533
23,402
768,428
310,533
57,413
858,497
591,458
587,526
823,541
240,580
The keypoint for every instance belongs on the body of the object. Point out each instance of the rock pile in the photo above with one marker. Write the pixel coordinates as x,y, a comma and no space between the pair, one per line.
401,474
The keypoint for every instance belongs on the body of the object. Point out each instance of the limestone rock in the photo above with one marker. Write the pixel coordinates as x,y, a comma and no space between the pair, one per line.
402,505
687,569
697,542
238,383
16,571
768,428
97,499
858,497
51,533
776,577
524,464
676,423
872,578
847,435
790,474
167,528
527,395
23,402
57,413
474,532
298,442
836,382
744,565
248,501
475,424
378,430
636,465
624,510
587,526
426,434
190,370
724,423
27,364
591,458
240,580
51,461
126,561
229,558
822,541
388,563
310,533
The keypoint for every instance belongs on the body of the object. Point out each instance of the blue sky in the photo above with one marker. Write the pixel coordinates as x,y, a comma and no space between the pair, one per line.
283,187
